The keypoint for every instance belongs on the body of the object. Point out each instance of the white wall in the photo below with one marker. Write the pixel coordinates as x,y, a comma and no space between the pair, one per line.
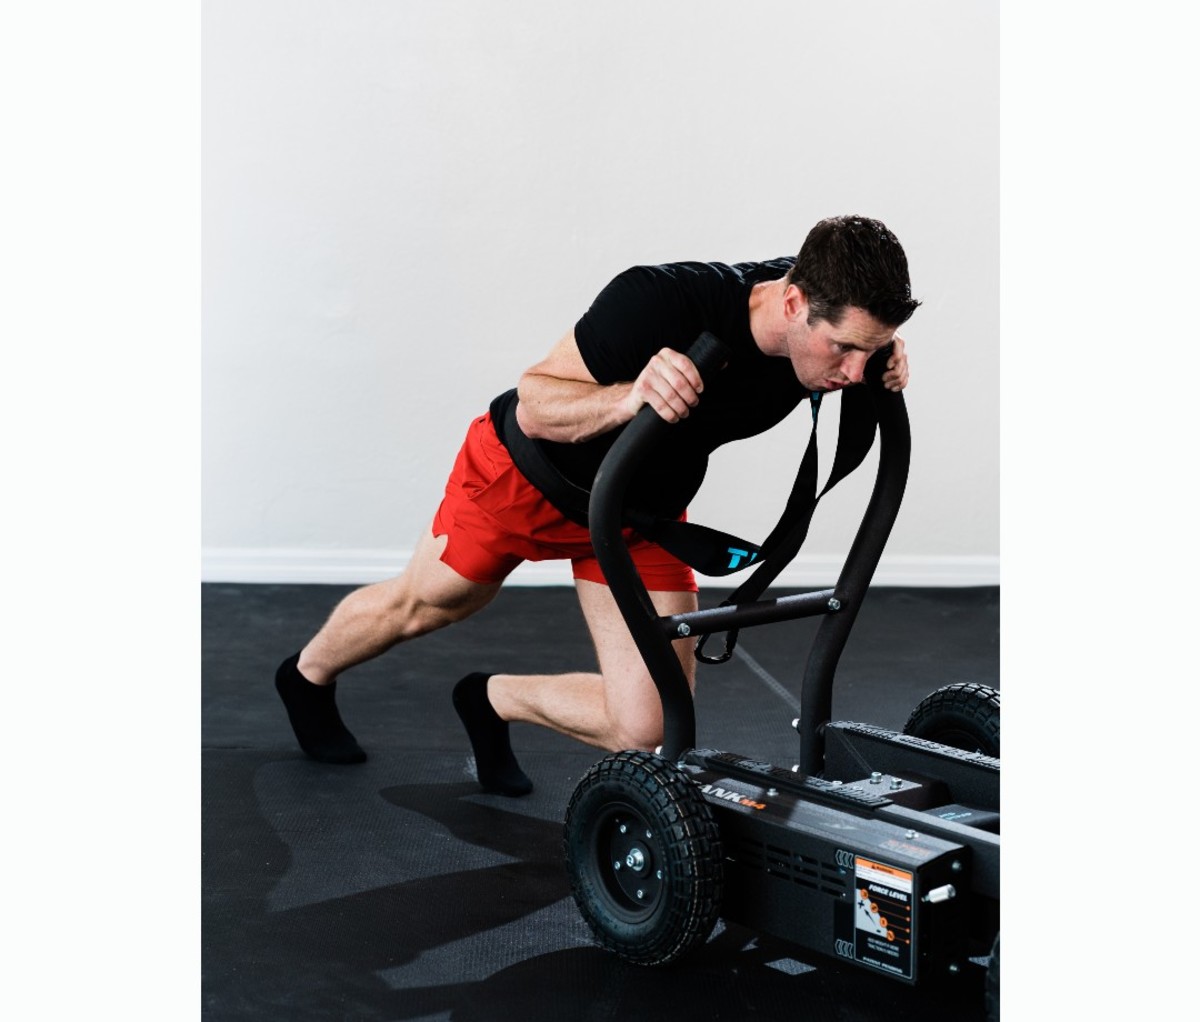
406,203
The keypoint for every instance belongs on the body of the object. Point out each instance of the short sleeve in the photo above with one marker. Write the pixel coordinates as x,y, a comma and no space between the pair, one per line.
632,319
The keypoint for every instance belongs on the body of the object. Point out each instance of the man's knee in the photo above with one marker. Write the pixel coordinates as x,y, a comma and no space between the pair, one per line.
642,730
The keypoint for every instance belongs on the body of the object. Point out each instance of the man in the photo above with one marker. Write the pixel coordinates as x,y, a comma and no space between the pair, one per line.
793,327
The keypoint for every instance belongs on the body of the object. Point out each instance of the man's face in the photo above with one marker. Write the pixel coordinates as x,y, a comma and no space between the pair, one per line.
828,357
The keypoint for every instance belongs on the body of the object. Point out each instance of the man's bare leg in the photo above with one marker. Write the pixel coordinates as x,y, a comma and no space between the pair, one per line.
428,595
619,708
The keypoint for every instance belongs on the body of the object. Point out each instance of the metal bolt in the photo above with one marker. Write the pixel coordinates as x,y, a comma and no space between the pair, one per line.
911,834
772,792
635,859
940,894
623,828
641,894
956,866
617,864
795,723
649,835
954,968
876,777
658,873
683,629
897,783
834,603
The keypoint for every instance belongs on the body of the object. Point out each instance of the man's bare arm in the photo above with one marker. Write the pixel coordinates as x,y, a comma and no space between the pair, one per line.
560,400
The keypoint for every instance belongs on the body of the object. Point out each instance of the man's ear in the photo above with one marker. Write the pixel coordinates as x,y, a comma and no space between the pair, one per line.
795,303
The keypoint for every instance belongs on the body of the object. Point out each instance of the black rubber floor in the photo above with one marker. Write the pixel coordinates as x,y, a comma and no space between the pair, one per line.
395,890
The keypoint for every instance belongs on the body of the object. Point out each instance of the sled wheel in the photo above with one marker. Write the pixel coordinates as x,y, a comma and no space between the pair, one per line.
644,857
963,716
991,990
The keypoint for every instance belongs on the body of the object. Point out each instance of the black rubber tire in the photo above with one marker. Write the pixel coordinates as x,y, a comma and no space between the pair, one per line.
643,812
964,716
991,990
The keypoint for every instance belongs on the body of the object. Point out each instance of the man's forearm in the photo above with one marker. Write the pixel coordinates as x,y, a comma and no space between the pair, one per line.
571,411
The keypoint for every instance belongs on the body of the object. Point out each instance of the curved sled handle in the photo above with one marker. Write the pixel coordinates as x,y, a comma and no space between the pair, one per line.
708,352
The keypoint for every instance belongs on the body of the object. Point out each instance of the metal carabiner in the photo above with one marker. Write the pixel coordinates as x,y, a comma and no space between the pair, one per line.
730,642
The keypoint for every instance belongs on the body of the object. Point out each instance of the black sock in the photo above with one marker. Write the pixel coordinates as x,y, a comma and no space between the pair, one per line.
495,764
314,716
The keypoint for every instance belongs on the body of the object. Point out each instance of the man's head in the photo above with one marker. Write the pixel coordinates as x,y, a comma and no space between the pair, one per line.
853,261
843,300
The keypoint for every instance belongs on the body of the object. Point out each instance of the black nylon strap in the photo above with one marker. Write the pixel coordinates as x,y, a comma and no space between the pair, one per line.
710,551
856,434
533,464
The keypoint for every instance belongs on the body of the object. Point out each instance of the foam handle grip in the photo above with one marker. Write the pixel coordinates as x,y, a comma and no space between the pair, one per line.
708,353
877,363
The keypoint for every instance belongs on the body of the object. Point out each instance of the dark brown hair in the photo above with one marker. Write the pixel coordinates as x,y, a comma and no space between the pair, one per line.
854,261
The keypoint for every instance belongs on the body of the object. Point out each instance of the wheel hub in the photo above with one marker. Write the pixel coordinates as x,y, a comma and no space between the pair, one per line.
634,878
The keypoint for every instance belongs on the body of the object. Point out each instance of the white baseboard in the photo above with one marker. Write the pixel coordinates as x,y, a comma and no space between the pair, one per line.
358,567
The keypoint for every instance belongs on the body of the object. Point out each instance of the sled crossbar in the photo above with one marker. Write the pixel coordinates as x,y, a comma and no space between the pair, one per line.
760,612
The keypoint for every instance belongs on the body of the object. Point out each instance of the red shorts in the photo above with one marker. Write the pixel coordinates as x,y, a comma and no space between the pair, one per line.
496,519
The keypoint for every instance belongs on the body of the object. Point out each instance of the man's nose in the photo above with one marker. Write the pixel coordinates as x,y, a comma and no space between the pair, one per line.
854,365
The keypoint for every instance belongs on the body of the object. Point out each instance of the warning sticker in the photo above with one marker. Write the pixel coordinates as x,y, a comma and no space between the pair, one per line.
883,917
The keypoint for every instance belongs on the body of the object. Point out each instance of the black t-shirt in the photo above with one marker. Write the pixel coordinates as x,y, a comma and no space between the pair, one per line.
648,308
